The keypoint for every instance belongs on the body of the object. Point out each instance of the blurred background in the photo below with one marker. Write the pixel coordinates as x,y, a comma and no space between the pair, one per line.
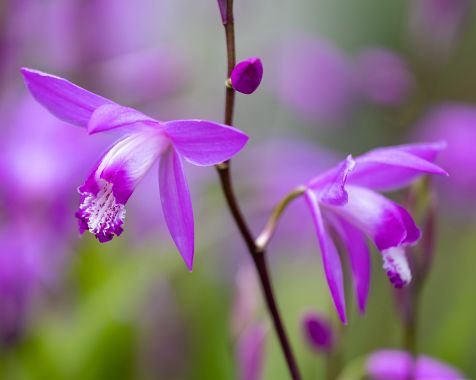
340,77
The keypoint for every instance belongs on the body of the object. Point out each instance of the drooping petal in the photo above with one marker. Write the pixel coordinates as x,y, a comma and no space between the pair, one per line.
378,217
330,256
112,182
359,257
204,142
395,167
176,204
62,98
330,186
112,116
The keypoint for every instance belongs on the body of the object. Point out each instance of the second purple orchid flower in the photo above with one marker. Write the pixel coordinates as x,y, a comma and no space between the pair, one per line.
144,140
345,200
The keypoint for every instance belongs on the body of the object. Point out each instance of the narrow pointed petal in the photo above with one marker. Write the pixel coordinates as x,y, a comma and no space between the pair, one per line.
62,98
378,217
205,143
113,116
359,257
331,185
112,181
330,256
395,167
177,205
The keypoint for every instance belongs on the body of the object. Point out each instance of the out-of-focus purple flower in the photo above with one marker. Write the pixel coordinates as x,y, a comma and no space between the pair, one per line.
22,270
456,124
436,24
399,365
385,78
222,4
144,140
146,74
247,299
251,349
345,199
318,332
316,79
247,75
246,327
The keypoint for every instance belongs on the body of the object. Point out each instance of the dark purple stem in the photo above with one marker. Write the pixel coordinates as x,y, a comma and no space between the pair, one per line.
256,252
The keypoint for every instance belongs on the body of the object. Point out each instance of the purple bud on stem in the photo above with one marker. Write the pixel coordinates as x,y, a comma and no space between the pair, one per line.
247,75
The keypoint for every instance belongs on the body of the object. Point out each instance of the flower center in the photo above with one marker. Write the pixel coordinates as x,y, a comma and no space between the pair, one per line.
396,265
101,214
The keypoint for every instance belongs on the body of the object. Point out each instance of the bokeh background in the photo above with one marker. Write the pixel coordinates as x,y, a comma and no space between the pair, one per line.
340,77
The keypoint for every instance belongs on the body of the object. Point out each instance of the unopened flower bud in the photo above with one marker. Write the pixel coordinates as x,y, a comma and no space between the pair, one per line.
318,332
247,75
223,11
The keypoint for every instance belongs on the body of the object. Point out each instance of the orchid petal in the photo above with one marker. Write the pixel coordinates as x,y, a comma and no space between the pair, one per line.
205,143
331,186
177,205
330,256
395,167
413,232
62,98
378,217
359,257
112,116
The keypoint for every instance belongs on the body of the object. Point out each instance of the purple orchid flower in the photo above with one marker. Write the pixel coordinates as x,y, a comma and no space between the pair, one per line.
144,140
345,200
398,365
385,77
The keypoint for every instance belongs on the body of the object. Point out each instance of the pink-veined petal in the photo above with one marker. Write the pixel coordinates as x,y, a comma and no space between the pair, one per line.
62,98
204,142
395,167
176,204
330,257
113,116
378,217
359,257
112,182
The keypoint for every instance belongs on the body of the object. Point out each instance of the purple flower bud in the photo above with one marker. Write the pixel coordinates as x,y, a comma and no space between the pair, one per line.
398,365
318,332
223,11
247,75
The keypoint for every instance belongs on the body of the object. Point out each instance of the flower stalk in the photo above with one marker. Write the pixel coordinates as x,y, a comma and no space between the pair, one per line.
257,252
268,231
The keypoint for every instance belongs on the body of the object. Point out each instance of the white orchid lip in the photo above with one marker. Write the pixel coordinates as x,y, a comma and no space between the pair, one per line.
100,213
396,266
